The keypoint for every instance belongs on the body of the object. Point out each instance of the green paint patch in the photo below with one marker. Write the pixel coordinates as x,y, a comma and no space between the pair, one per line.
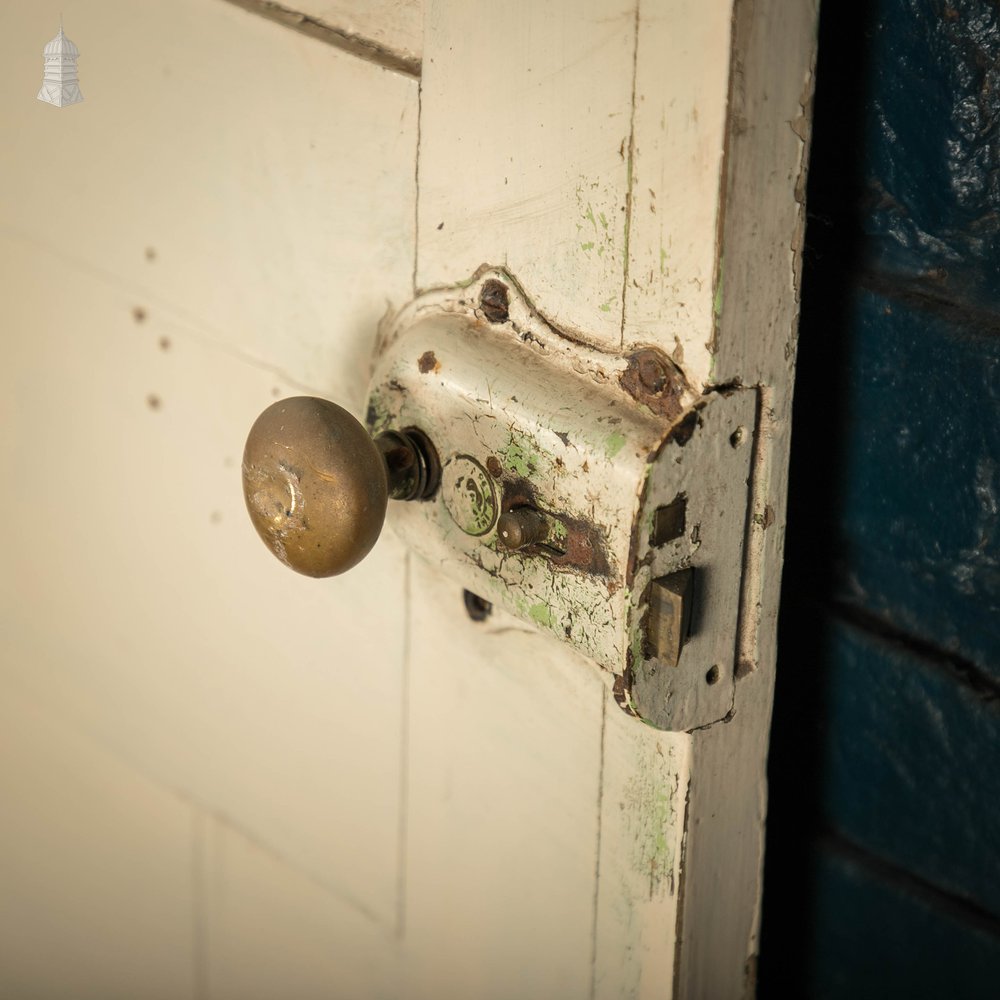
614,444
663,261
606,306
604,221
587,246
589,215
520,459
558,532
662,819
377,417
652,817
541,614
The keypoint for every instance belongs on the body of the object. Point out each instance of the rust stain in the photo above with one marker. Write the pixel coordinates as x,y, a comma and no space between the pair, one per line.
138,314
517,492
494,467
582,546
766,519
153,401
655,382
428,363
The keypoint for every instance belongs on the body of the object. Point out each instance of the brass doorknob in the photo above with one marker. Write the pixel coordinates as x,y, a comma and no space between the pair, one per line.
316,483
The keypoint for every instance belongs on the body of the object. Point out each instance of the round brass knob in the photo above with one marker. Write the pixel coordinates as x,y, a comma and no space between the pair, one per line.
316,485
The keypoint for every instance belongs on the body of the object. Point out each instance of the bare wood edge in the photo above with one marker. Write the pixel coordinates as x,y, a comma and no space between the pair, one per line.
347,41
761,227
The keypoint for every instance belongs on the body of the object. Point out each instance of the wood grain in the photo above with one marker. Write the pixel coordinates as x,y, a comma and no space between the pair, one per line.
226,235
761,236
524,149
95,862
537,111
504,772
678,139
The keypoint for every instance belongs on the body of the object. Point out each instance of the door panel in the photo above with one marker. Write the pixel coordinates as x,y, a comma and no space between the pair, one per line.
95,863
523,163
142,607
266,931
255,184
504,749
137,603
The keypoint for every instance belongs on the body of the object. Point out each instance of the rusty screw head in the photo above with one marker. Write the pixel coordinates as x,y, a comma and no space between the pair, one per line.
651,379
494,301
652,373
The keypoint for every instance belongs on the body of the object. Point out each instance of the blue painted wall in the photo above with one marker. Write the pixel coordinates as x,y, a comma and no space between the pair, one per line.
882,874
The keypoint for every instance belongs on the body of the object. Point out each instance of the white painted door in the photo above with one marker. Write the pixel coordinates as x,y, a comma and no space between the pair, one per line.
223,780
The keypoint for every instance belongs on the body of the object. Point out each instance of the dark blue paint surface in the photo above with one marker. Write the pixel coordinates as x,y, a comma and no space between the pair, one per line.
919,520
911,764
931,147
875,938
882,868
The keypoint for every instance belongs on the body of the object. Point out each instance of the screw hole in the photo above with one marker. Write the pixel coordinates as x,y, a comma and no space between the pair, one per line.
477,608
736,438
712,676
494,301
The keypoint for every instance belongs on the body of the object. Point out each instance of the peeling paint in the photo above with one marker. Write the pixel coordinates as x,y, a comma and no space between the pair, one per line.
541,614
520,459
614,444
649,802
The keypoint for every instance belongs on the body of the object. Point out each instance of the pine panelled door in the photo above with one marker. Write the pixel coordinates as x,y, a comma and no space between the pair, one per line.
220,779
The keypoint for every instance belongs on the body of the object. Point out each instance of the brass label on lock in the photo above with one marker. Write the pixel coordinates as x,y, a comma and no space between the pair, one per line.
468,494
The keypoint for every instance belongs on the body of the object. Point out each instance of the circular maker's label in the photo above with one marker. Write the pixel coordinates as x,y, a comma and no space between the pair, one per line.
468,494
